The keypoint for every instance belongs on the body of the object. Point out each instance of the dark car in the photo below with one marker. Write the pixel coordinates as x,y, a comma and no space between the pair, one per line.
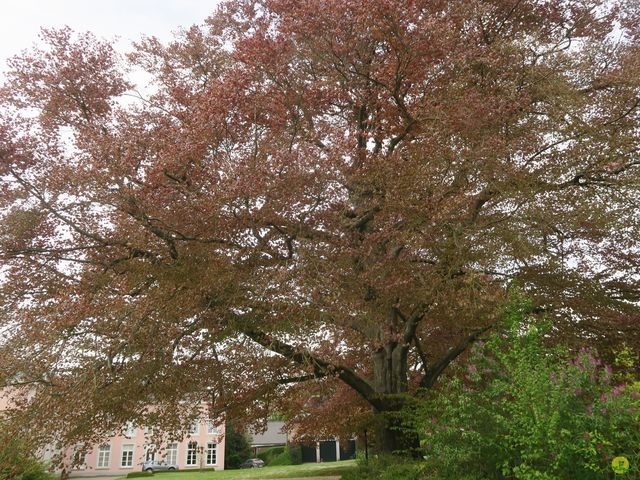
252,463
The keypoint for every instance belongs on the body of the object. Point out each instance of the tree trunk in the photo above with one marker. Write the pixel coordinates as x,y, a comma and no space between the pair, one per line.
392,432
393,436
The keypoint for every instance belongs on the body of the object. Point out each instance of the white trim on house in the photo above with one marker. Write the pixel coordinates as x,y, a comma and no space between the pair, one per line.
212,428
194,428
126,455
212,454
149,452
129,430
104,456
191,458
80,460
130,444
172,453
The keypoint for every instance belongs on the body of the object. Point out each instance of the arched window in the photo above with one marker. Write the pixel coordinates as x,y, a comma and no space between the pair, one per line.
149,453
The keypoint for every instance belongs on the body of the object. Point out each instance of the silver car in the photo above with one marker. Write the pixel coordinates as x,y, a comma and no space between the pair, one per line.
157,466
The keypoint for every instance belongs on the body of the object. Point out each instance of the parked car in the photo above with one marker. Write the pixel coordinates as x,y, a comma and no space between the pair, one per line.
252,463
157,466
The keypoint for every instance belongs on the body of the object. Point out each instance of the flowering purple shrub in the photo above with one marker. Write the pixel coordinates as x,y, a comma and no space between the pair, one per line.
520,410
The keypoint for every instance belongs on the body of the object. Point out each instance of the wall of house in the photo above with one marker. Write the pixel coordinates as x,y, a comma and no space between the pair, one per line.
203,447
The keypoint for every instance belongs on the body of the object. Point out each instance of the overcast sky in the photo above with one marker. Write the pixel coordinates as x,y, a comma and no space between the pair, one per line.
20,20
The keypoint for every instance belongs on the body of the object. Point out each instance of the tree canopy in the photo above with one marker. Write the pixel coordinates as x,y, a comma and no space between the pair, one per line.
322,200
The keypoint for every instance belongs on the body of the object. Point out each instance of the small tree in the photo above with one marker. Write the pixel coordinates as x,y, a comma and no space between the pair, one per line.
18,463
236,448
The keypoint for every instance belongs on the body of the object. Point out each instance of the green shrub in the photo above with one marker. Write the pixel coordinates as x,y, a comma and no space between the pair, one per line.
282,459
236,447
269,454
18,463
295,454
385,467
520,410
403,471
281,455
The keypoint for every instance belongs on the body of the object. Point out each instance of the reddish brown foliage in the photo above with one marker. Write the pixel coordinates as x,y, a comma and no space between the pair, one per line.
339,189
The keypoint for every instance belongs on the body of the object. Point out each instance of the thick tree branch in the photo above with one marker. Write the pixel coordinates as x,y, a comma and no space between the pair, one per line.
320,367
412,322
432,374
134,211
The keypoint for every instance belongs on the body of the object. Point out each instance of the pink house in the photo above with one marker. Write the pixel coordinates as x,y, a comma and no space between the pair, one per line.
201,447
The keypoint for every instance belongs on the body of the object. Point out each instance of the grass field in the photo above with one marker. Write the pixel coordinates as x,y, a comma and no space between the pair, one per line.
288,471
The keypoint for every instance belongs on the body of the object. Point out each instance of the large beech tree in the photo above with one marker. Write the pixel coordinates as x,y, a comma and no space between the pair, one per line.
319,202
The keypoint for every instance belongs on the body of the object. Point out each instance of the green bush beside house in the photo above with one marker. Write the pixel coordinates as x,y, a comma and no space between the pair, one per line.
269,454
282,455
237,448
17,462
387,467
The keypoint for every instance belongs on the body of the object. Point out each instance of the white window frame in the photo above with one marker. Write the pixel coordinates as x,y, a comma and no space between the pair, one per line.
172,453
192,448
212,447
129,430
150,453
80,460
212,428
129,449
194,428
103,459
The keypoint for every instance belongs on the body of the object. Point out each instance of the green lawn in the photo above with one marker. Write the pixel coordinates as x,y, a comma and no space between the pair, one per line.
288,471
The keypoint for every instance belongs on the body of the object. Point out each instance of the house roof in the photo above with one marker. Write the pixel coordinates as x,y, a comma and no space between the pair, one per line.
272,436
